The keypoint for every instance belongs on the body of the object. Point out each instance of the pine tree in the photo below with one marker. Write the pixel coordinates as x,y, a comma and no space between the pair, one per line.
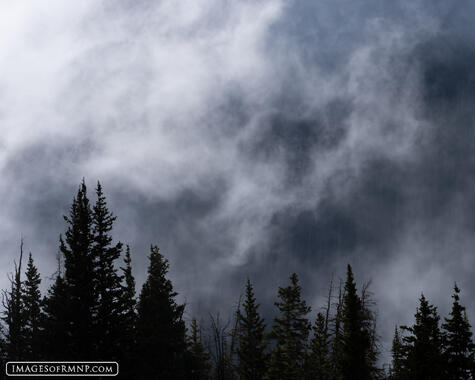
161,333
337,335
356,339
369,326
128,301
128,317
251,345
13,316
108,287
319,366
55,320
80,277
32,311
290,332
459,347
425,360
198,364
398,357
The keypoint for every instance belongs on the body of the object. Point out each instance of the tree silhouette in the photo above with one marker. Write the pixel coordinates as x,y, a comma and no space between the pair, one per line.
251,344
424,360
55,319
198,364
13,315
32,312
80,277
319,366
161,342
108,285
398,353
356,338
290,332
458,344
128,318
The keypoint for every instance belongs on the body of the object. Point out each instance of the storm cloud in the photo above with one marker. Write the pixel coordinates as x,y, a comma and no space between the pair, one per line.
249,138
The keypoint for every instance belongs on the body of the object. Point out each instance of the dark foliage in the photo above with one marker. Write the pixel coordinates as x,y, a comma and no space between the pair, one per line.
251,343
80,278
91,312
290,332
161,334
32,312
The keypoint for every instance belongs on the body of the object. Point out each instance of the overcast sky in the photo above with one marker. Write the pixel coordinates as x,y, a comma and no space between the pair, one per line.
249,138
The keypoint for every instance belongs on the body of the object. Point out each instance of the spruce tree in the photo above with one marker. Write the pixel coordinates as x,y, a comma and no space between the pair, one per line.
161,333
356,339
425,360
128,317
319,365
398,353
80,277
290,332
128,301
458,344
32,311
198,364
108,287
55,318
251,344
337,337
13,315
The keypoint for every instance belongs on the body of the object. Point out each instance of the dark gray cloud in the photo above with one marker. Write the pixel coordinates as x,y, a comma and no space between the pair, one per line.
249,138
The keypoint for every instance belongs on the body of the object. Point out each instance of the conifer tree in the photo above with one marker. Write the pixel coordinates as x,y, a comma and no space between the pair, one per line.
425,360
337,336
32,311
198,358
55,320
319,366
398,357
80,277
13,316
128,301
458,344
251,344
128,317
161,333
356,339
290,332
108,287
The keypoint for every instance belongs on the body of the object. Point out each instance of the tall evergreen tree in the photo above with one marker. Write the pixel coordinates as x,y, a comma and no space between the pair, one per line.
251,344
425,360
108,287
161,333
128,301
356,339
459,347
319,366
80,277
337,337
32,311
198,364
290,332
128,318
13,315
55,322
398,357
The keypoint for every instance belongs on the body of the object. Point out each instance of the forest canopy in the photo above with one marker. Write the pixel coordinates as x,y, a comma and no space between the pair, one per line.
92,311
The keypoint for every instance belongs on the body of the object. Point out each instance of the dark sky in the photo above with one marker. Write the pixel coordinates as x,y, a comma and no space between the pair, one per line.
250,138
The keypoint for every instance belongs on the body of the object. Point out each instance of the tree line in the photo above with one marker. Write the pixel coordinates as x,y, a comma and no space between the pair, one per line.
92,312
